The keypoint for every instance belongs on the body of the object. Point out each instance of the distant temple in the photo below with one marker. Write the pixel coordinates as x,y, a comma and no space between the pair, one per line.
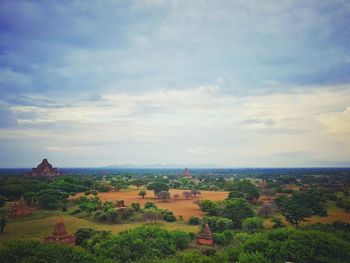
206,237
60,235
45,169
20,209
186,173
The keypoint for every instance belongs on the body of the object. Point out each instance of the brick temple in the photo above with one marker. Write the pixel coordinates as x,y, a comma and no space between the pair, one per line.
60,235
44,169
186,173
20,208
206,237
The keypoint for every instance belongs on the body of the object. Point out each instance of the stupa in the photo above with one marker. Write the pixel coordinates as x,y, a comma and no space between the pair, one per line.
60,235
20,209
186,173
44,169
206,237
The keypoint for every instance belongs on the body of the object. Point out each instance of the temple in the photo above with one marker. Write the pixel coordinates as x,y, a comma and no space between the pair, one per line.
206,237
60,235
45,169
20,209
186,173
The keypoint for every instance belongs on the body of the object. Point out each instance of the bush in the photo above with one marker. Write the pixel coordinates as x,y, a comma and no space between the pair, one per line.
194,220
169,216
149,205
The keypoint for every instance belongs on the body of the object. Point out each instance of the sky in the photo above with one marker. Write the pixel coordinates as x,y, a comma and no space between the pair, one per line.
223,83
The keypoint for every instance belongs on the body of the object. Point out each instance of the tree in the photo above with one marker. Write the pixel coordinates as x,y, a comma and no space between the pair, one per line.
157,187
82,235
164,195
142,244
237,210
295,213
152,214
195,192
252,224
265,210
181,239
235,194
31,251
50,198
138,183
119,184
2,223
212,208
142,193
187,194
244,186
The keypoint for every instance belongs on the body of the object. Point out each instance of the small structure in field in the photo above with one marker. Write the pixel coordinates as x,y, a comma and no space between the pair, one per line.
120,205
60,235
206,237
20,209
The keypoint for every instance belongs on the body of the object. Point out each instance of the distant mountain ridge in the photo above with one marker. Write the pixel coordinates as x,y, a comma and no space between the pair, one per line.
161,166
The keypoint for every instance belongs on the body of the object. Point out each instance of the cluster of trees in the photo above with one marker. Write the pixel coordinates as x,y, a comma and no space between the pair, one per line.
317,244
235,209
46,193
146,243
301,205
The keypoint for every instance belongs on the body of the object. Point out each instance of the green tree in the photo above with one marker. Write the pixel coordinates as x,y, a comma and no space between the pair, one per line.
252,224
82,235
142,193
50,198
237,210
157,187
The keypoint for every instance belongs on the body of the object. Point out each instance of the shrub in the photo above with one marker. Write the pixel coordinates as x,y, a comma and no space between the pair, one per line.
194,220
169,216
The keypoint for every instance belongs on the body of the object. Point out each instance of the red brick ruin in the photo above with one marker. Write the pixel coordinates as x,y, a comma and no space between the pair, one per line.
206,237
44,169
60,235
186,173
20,208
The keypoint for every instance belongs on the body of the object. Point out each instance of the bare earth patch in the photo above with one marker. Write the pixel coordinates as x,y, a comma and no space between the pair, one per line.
183,207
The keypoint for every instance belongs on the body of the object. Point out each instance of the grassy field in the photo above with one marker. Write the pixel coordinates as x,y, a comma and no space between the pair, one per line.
38,228
183,207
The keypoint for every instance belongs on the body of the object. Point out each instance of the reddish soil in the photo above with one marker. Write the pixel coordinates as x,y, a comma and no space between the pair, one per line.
183,207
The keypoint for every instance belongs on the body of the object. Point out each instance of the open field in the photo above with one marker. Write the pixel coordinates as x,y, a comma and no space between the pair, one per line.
39,228
183,207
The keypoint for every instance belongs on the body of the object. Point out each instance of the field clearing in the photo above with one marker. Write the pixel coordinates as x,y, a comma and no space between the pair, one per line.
183,207
39,228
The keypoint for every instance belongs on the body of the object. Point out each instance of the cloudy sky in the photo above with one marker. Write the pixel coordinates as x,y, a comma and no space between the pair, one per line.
227,83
